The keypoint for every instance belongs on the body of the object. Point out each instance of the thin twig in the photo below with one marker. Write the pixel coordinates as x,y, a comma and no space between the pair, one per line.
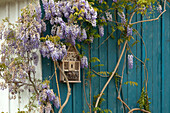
138,109
68,87
151,19
29,76
123,103
98,73
105,40
84,90
52,76
120,88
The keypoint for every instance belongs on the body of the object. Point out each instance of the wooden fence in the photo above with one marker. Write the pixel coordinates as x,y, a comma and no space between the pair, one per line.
156,36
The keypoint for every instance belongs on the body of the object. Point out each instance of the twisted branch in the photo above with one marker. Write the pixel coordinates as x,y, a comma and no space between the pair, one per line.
68,87
150,19
58,89
138,109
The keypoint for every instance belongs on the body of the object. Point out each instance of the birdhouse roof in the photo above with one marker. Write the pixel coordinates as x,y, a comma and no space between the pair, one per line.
72,49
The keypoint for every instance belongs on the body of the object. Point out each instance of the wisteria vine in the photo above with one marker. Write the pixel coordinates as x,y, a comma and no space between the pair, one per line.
72,23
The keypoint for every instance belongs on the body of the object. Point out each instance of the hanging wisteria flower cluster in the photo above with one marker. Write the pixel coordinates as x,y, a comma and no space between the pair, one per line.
50,50
45,97
130,61
62,16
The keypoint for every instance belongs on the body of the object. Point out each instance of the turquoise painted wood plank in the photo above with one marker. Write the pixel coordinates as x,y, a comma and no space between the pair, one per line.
103,54
95,80
77,95
112,59
166,53
87,89
132,100
156,66
162,62
139,55
148,38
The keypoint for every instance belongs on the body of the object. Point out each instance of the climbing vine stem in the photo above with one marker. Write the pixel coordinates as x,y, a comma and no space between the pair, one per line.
58,89
68,88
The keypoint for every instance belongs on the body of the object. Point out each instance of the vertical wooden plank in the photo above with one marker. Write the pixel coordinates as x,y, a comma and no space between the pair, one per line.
24,100
103,54
4,103
139,55
148,39
96,79
162,61
77,95
166,53
87,87
124,93
12,14
77,98
132,75
156,66
112,60
4,94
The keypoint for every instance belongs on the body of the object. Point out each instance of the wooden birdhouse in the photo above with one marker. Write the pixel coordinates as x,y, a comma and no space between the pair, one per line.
71,65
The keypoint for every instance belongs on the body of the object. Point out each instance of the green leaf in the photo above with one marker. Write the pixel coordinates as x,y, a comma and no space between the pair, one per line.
131,83
96,9
80,18
94,59
135,43
78,45
98,65
148,59
97,36
121,28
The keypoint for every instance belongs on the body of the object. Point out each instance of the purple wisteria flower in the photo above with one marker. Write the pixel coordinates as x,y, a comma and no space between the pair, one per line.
56,102
84,62
114,0
48,107
143,9
35,58
103,19
52,7
159,8
123,19
49,49
101,31
3,85
46,96
108,16
91,39
150,8
84,35
129,31
100,1
130,61
44,86
67,31
38,12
